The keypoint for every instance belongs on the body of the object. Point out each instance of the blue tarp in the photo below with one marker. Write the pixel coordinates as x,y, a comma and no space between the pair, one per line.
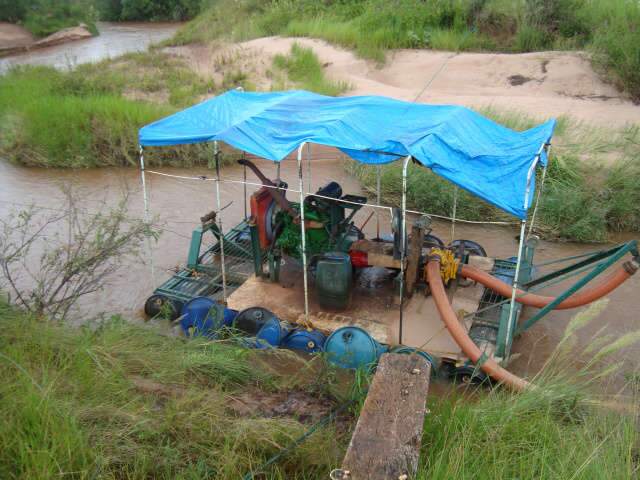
479,155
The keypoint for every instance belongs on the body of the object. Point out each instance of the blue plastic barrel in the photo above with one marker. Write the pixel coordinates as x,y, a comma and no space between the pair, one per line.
309,341
203,316
409,350
353,347
271,334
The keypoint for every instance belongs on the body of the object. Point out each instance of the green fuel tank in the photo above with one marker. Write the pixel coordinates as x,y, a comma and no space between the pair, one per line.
334,278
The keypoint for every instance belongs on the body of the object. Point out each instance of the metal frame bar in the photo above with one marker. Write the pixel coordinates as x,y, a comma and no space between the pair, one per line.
403,249
516,278
303,235
629,247
216,155
147,216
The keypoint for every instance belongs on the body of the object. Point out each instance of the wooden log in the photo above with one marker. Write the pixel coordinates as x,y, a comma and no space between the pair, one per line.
386,441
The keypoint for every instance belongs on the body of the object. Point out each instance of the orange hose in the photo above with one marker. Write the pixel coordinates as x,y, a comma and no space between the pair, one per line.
460,335
583,297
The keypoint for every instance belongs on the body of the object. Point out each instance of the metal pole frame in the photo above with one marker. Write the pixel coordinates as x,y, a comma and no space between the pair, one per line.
244,178
453,215
403,249
303,235
378,199
539,193
523,226
308,168
147,216
216,155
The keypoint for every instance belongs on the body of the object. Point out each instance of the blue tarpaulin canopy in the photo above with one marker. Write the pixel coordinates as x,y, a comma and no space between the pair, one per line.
479,155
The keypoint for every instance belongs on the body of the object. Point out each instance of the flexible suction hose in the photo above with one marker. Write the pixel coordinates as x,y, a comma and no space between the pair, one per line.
584,297
460,335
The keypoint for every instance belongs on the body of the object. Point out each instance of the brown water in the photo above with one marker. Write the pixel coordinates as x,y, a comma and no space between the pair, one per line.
115,39
179,203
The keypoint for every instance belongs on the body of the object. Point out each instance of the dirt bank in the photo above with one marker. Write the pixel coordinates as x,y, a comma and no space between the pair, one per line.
14,38
543,84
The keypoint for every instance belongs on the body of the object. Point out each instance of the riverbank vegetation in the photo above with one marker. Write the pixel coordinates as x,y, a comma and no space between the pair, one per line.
44,17
90,116
607,29
114,400
303,69
148,11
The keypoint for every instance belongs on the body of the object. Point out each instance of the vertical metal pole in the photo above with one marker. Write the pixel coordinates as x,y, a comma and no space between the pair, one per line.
523,226
539,193
303,232
308,168
403,250
278,170
378,199
244,177
216,154
147,217
453,215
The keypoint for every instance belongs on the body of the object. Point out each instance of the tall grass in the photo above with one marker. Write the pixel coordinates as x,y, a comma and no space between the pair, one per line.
304,69
87,117
124,402
371,27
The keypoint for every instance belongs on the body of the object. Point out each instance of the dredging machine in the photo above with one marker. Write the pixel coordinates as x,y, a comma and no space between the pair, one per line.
288,274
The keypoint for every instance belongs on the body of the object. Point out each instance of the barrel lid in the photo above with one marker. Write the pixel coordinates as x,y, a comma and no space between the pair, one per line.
252,319
351,347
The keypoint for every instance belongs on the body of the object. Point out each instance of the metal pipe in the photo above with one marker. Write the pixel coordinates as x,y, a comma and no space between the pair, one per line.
403,249
216,155
453,215
244,184
308,168
378,174
147,217
523,226
303,236
540,188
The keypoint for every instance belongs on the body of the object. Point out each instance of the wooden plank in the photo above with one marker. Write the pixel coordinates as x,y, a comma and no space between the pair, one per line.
413,257
386,441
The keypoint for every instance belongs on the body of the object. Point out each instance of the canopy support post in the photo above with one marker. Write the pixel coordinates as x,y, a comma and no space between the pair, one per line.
523,226
453,214
216,155
147,217
403,249
308,168
244,184
378,174
303,237
539,193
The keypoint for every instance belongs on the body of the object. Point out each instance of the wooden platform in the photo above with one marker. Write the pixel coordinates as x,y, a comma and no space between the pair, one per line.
387,439
371,309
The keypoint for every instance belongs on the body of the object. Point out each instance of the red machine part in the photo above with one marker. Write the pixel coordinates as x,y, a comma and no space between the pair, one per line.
260,202
359,258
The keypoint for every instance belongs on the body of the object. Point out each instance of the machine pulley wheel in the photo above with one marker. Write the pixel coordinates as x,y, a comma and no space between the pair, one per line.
467,247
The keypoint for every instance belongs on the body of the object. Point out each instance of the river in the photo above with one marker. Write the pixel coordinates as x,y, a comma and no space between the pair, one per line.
179,203
115,39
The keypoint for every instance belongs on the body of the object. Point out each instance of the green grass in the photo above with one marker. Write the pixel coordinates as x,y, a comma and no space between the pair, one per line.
73,407
121,401
584,198
90,116
44,17
371,27
303,68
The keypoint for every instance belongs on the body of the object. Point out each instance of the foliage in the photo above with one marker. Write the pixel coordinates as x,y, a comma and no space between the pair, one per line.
44,17
303,67
119,401
86,117
76,253
148,10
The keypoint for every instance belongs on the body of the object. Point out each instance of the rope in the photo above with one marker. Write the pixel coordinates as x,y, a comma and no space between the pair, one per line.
302,438
448,264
